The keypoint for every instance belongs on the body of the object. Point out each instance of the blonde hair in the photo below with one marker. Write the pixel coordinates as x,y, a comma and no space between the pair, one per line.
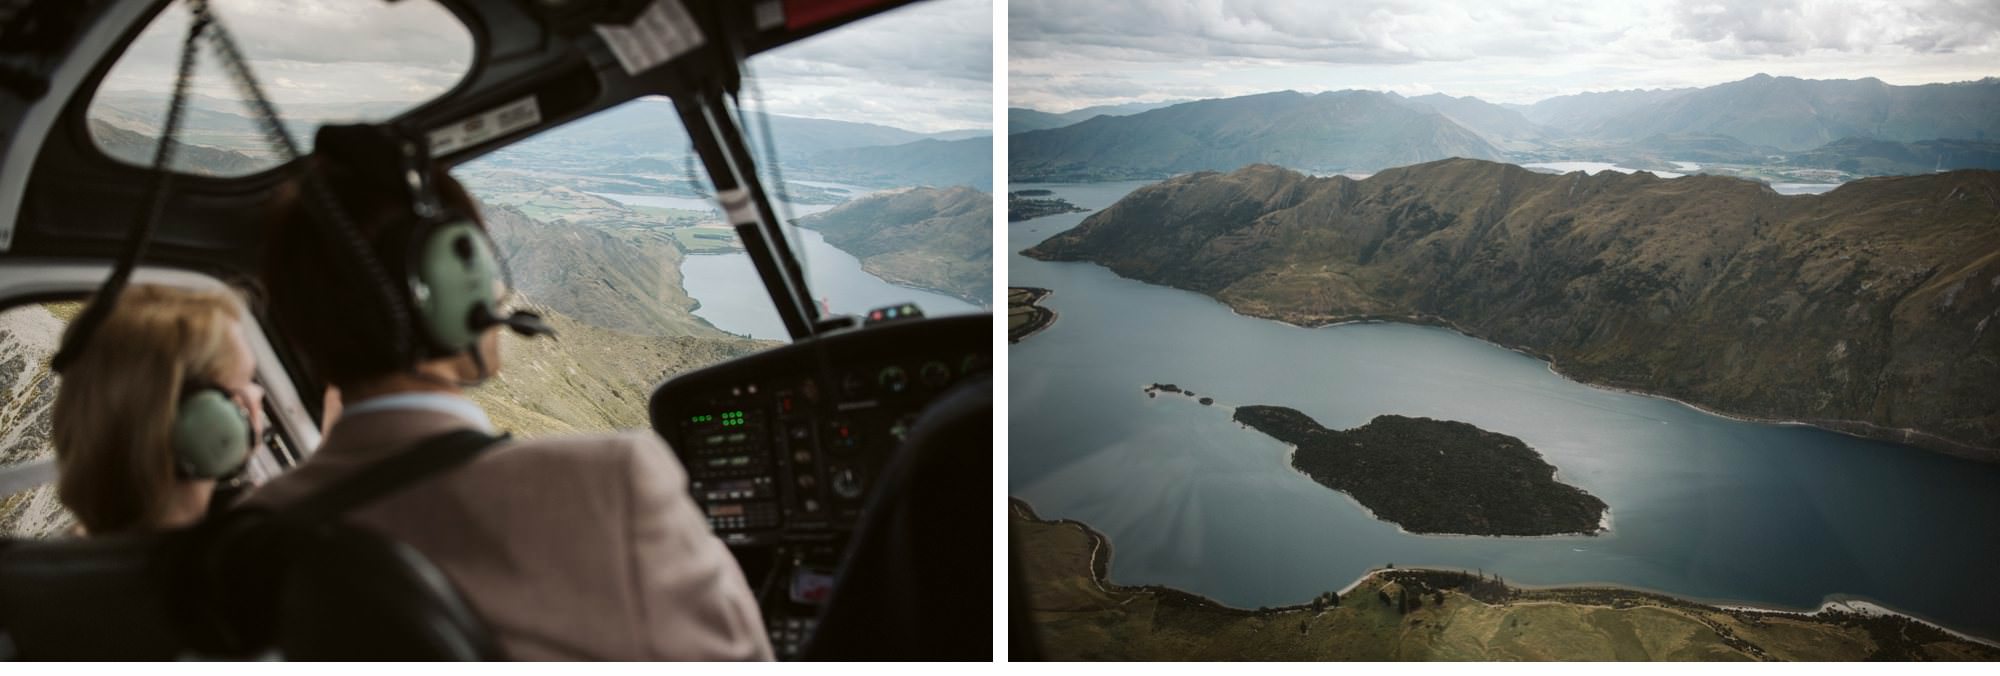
115,406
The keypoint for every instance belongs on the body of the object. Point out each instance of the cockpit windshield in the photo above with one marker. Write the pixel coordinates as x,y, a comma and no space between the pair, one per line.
874,145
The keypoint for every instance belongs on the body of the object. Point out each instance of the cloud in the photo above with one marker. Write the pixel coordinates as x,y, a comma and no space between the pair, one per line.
1065,55
927,66
1794,27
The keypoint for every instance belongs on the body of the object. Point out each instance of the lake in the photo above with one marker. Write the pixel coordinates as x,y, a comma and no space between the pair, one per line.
733,298
1702,506
1593,168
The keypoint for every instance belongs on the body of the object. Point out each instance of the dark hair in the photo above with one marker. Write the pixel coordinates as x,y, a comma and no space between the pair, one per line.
320,297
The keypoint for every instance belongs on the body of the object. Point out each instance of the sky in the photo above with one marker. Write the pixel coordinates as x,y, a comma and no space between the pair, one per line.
1064,54
926,67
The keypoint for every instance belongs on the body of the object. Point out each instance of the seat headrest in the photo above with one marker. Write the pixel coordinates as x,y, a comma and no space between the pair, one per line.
130,597
234,587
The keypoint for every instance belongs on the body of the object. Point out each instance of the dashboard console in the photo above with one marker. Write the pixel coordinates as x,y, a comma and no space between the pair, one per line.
782,447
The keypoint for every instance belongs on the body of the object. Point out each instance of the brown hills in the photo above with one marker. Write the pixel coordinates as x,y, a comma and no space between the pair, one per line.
1872,309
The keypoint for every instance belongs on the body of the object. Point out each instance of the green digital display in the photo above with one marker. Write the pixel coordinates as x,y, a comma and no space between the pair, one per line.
729,418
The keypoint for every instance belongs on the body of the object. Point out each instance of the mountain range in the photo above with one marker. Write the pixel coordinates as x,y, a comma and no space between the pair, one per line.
1331,131
1029,119
1761,120
963,162
1872,309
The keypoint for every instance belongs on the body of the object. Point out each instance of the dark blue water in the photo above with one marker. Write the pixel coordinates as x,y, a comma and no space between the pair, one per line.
1701,506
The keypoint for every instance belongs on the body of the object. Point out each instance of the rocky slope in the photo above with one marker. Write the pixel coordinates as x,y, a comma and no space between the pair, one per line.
932,238
29,335
1331,131
1872,309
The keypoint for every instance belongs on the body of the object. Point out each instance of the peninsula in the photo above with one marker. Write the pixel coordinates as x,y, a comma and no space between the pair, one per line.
1420,614
1024,317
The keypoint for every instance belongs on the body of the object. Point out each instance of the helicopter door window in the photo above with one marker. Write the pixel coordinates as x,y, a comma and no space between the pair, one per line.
29,334
319,63
882,135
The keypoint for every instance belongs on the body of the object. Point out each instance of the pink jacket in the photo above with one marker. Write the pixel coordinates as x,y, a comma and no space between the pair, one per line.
583,547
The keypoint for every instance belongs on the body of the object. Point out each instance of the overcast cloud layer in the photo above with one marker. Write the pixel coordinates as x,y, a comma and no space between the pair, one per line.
926,67
1065,55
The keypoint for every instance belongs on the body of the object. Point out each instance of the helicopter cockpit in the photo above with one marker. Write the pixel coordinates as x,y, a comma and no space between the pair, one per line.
833,440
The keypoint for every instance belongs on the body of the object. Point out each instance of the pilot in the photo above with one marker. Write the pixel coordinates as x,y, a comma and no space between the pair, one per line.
575,547
129,464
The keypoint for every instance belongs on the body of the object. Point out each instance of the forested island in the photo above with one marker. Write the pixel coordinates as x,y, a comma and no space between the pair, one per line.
1434,476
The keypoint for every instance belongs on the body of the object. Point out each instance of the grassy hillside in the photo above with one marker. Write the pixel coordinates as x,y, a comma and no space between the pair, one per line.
590,378
1874,308
930,238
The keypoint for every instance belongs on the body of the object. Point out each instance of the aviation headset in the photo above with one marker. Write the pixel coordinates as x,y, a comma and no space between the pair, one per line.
211,436
448,283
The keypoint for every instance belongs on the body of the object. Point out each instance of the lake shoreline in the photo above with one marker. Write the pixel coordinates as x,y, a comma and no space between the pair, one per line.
1911,438
1831,610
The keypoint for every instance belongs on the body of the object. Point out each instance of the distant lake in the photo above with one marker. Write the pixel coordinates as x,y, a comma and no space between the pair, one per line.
733,297
1701,506
708,205
1803,188
1594,167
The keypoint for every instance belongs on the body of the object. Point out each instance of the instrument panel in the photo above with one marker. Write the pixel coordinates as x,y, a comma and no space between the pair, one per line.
782,447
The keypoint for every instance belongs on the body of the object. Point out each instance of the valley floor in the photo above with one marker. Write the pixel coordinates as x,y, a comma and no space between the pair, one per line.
1080,615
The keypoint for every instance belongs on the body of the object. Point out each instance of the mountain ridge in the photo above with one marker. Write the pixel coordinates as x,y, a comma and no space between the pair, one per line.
1878,319
1330,131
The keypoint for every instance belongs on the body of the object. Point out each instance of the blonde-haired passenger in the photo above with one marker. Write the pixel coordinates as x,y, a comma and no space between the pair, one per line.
117,406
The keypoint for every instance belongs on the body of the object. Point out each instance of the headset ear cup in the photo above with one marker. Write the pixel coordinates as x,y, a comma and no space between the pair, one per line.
454,272
211,435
